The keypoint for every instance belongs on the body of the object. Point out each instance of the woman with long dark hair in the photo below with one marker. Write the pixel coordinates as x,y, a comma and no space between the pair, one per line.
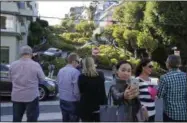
124,92
147,92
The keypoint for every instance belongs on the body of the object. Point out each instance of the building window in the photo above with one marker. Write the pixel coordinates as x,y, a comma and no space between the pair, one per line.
21,5
7,22
5,55
29,4
3,22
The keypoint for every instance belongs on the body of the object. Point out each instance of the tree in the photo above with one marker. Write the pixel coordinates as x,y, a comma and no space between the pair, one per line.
118,35
167,21
85,28
130,16
37,30
68,25
130,13
119,13
107,34
145,40
57,29
130,37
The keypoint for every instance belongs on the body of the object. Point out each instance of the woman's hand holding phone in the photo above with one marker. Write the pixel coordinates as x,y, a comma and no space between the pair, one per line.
131,92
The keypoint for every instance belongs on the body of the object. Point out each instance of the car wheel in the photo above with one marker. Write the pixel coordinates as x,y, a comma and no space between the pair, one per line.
43,93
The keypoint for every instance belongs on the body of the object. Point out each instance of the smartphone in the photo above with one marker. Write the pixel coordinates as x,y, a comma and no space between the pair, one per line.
135,82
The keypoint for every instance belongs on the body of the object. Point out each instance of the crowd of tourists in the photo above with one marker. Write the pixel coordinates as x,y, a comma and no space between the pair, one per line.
82,94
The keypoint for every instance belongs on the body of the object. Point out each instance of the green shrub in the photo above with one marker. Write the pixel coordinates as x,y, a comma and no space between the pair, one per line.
103,60
59,63
83,40
74,38
156,66
122,57
133,61
71,36
108,55
85,51
47,58
114,61
66,47
157,70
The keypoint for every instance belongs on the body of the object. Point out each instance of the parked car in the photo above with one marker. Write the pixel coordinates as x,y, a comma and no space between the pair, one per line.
53,52
47,88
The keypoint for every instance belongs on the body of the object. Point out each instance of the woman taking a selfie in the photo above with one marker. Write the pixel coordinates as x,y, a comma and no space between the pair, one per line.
124,92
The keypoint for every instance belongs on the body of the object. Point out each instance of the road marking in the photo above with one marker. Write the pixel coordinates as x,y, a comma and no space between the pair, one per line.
42,117
41,103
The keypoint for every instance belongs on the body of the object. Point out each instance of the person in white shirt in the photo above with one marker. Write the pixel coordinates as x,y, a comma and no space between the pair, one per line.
142,73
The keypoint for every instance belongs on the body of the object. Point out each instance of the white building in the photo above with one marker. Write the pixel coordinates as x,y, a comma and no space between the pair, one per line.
76,13
105,18
15,19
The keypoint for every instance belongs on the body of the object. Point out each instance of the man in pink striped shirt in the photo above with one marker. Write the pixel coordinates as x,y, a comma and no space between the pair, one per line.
25,75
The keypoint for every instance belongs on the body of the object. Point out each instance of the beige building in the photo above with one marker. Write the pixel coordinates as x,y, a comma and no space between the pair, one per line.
15,19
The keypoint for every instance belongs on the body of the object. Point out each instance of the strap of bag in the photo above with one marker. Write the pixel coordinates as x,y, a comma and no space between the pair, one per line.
109,97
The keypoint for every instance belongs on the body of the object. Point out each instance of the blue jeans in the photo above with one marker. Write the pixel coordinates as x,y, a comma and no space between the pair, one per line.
69,111
32,110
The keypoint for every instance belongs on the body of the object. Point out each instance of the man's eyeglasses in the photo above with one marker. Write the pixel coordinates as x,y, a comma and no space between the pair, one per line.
77,61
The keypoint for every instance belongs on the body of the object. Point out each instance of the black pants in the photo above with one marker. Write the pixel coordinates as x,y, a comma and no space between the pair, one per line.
151,118
32,110
168,119
90,117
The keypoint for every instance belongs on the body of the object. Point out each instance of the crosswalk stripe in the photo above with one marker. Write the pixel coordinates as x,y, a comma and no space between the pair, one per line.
42,103
42,117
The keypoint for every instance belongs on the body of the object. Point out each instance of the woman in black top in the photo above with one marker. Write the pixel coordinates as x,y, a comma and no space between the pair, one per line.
92,90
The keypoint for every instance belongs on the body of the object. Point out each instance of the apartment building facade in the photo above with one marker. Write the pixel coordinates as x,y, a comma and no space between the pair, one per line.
15,21
105,17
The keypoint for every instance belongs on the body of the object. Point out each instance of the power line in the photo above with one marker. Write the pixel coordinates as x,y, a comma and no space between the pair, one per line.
112,21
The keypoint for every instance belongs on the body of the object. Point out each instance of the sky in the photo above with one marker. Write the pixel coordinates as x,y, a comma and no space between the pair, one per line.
57,9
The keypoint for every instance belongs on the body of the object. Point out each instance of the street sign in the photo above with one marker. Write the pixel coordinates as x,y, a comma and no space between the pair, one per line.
177,53
95,51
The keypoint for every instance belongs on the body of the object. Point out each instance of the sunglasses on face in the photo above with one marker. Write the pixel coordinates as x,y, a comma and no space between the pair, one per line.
150,66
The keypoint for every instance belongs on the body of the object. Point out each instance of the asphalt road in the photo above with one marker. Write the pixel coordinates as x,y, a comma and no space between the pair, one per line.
50,111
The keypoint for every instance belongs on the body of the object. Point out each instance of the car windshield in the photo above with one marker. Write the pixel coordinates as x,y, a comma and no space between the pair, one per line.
52,50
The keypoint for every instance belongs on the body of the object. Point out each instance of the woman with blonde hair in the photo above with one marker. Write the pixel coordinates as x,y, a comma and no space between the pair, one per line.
92,91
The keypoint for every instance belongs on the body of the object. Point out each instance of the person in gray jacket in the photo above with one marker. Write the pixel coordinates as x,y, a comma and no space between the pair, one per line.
123,92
